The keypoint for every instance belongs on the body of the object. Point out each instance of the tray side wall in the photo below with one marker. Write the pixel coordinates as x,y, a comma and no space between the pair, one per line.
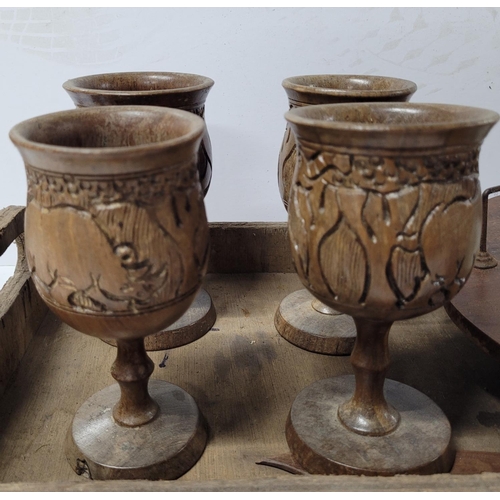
21,308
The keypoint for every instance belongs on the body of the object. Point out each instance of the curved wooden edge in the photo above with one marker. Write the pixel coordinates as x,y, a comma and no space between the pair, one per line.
481,339
21,308
439,482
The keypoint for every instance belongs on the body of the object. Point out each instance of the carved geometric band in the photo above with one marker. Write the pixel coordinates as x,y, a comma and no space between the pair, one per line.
386,173
53,189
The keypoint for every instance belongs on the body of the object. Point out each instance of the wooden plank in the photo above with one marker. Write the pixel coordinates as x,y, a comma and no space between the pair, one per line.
486,482
476,462
250,247
11,226
21,309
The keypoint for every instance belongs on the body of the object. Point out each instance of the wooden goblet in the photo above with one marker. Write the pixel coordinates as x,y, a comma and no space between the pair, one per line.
117,241
300,318
175,90
385,221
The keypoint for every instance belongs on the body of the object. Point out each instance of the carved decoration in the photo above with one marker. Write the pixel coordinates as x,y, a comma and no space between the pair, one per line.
137,225
368,229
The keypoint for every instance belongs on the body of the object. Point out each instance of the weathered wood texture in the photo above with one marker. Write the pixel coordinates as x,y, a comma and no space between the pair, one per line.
21,309
244,377
117,243
249,247
381,210
476,310
486,482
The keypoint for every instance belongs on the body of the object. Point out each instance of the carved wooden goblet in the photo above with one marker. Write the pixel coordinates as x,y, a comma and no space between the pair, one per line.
175,90
117,241
301,319
384,221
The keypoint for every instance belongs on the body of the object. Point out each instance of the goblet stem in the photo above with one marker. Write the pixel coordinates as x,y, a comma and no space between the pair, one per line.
132,369
367,412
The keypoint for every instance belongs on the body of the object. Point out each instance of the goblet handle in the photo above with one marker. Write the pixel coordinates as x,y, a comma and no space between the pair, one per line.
132,369
367,412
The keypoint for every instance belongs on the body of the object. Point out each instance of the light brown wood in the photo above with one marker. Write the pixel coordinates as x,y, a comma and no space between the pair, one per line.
295,319
117,243
384,221
308,90
193,324
164,449
486,482
323,445
147,88
174,90
243,353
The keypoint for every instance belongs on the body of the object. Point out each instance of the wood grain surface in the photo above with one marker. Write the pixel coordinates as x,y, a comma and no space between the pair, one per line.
244,377
21,308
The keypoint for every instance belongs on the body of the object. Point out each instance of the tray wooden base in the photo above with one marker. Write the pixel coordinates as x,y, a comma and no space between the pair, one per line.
244,377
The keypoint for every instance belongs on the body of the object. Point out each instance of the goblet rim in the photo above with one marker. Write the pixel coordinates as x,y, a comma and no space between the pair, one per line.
407,86
17,137
298,116
75,84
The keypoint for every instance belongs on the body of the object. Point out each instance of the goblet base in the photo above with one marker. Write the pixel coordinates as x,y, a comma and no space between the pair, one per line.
192,325
298,322
321,444
164,448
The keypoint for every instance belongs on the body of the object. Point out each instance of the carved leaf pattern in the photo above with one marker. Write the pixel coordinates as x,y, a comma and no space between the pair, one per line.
343,262
376,241
405,273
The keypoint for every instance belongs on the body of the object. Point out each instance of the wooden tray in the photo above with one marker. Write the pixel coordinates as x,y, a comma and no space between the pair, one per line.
243,375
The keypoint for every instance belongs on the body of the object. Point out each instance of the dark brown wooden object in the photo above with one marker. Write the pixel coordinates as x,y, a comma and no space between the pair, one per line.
475,311
184,91
301,319
384,224
111,260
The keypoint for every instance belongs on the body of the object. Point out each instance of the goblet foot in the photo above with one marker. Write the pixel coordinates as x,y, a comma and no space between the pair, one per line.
298,322
320,443
164,448
192,325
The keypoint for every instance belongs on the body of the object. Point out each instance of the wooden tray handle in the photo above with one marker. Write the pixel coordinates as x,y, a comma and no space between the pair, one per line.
484,260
